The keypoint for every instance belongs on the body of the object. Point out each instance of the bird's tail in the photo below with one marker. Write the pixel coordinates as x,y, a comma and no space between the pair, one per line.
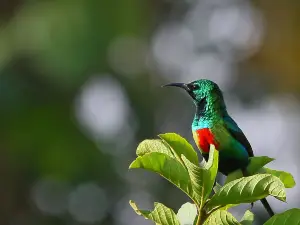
267,207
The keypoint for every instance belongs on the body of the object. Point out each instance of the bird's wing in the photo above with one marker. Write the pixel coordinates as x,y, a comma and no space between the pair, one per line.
238,134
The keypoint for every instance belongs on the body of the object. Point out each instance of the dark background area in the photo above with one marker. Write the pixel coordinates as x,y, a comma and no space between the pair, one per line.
80,88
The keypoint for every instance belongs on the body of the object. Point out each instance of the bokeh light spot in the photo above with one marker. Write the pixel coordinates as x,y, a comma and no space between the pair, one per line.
102,107
238,26
51,196
172,46
88,203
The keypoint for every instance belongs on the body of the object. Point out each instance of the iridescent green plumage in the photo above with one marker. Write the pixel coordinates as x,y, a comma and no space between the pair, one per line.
213,125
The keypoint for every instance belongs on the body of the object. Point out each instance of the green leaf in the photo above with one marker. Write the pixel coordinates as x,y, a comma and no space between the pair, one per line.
286,178
248,218
256,163
202,179
233,176
247,190
167,167
289,217
256,166
187,214
161,214
155,145
226,207
221,217
197,178
180,146
212,168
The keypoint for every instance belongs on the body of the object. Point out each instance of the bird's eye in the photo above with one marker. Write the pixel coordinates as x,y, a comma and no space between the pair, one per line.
193,86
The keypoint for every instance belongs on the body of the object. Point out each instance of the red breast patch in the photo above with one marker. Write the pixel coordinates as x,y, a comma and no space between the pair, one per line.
205,139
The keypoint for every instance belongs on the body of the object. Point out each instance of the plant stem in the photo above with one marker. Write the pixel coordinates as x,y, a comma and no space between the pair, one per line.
201,217
199,222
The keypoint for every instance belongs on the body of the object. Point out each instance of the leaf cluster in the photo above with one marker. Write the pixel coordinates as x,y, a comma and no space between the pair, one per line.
173,158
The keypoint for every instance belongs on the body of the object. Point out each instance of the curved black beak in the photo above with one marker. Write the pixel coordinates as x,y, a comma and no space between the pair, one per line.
181,85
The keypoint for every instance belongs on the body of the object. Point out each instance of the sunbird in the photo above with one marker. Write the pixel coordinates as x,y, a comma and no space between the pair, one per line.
213,125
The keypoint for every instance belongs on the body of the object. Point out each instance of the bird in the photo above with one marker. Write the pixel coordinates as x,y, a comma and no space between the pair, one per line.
212,124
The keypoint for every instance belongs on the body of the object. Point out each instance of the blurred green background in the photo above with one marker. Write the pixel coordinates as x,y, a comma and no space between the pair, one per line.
80,88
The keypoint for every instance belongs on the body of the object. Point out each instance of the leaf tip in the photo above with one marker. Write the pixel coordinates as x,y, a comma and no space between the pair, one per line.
132,204
134,207
160,136
134,165
212,147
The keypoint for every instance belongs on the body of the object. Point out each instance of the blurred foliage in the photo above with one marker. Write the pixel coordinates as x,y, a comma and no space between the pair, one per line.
48,49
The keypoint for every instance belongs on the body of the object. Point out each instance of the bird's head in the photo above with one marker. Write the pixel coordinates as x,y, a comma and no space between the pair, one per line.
204,93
